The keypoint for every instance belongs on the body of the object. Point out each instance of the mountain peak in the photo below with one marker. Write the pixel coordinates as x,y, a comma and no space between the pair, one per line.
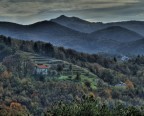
62,17
69,19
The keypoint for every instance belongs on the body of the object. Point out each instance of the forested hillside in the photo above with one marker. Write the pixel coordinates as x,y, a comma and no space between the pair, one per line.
76,84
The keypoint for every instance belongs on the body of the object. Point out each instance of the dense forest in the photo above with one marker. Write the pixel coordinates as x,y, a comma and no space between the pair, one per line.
119,89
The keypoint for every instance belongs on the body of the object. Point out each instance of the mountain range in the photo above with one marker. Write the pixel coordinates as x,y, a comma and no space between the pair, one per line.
75,33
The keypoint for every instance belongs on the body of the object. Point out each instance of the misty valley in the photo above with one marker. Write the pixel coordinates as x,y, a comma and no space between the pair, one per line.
71,67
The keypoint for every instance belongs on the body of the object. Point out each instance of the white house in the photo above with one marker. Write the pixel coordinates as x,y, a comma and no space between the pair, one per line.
125,58
121,84
41,69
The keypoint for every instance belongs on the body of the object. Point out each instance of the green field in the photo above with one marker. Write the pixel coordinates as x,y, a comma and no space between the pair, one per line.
66,75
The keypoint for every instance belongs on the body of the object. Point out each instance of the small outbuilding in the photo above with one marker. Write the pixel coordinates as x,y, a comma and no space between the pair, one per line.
125,58
121,84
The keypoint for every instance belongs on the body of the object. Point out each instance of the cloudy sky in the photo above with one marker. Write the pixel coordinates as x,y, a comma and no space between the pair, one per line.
29,11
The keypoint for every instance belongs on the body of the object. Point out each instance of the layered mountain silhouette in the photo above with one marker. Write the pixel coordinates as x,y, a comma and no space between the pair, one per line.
132,48
136,26
78,24
89,27
116,33
41,31
81,35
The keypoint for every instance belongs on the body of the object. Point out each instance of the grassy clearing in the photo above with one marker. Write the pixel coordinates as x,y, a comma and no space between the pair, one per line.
86,77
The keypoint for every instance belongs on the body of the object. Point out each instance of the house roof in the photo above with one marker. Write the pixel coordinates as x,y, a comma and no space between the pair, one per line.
121,84
42,66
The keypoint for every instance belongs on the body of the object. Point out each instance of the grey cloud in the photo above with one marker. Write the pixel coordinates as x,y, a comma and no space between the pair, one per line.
105,10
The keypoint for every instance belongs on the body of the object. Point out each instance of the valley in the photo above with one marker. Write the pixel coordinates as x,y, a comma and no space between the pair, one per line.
80,35
52,68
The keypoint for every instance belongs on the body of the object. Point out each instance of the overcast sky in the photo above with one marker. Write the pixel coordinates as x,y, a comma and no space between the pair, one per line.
29,11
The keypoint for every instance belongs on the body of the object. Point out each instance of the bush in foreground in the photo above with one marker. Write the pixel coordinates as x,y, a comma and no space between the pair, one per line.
93,108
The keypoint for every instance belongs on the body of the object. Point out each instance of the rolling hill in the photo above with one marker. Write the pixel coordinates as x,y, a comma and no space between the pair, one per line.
78,34
133,48
41,31
116,33
89,27
136,26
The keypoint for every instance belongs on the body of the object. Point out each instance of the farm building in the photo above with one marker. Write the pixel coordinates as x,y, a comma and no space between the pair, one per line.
41,69
121,84
125,58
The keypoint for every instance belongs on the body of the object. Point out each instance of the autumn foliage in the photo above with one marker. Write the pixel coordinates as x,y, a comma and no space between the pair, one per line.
129,84
15,109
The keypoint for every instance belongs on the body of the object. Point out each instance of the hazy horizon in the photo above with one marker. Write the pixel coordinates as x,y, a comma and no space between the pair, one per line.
29,23
30,11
